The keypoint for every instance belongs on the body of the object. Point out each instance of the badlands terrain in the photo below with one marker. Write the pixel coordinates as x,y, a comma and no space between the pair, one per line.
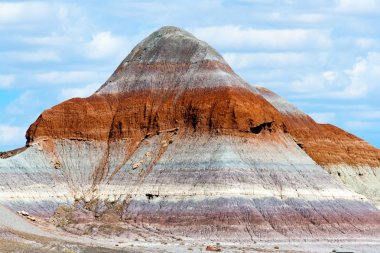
174,153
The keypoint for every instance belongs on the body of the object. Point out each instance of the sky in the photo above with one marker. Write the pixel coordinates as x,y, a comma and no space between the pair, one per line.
323,56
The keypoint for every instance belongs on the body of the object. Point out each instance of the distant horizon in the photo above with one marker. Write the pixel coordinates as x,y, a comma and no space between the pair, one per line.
325,61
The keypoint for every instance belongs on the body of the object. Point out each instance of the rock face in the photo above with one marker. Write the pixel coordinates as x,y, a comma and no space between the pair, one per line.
348,158
176,141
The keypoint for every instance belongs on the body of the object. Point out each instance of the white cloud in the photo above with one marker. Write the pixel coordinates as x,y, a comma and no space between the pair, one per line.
66,77
103,45
23,104
268,78
323,117
369,114
11,134
309,18
329,76
86,91
6,81
358,6
360,81
237,37
367,43
364,77
17,12
333,106
272,60
360,125
66,16
302,18
52,40
311,84
38,56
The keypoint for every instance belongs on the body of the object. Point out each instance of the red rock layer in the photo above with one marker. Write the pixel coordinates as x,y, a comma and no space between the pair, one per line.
325,143
328,144
226,109
140,113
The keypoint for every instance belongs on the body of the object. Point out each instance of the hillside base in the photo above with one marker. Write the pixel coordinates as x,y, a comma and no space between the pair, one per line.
14,241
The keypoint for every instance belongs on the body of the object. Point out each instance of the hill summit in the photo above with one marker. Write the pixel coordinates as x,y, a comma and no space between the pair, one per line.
168,59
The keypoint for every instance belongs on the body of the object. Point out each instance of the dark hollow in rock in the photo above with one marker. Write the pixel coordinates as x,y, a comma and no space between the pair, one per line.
264,126
151,196
192,116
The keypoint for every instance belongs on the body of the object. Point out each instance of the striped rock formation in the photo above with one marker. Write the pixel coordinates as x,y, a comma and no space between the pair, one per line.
176,141
348,158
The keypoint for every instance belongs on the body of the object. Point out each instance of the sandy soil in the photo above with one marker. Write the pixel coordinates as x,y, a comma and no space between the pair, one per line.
13,241
20,235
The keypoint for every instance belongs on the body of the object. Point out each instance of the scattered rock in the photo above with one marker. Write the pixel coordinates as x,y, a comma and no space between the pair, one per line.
31,218
136,165
168,130
27,215
77,197
215,249
57,164
23,213
164,144
148,135
87,199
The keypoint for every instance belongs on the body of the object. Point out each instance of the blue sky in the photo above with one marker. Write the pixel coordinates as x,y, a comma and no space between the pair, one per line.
323,56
